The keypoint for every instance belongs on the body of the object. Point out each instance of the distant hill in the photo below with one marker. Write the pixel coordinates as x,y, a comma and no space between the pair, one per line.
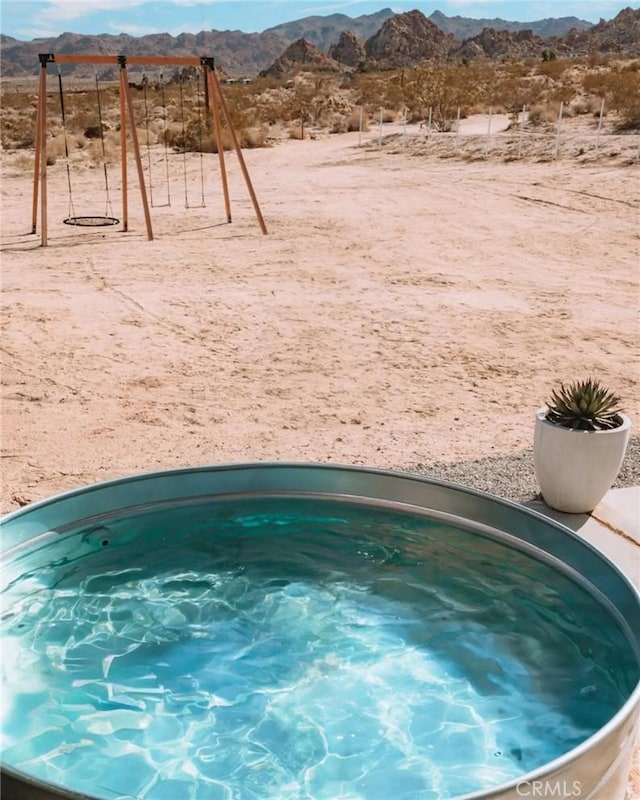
325,31
385,39
618,35
465,28
236,52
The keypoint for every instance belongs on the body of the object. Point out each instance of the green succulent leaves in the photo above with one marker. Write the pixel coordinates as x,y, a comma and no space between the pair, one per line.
584,405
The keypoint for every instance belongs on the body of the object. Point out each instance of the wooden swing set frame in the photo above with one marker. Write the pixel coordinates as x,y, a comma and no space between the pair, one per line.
215,102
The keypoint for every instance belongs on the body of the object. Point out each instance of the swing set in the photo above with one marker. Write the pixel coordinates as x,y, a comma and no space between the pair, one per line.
214,103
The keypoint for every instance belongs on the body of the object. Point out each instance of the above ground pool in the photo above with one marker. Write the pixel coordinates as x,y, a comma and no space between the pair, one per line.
303,632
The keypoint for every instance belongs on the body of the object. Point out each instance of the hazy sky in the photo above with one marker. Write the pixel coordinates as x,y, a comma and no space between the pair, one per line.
29,19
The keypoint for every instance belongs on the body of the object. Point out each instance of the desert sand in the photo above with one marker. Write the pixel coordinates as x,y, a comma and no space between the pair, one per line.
401,308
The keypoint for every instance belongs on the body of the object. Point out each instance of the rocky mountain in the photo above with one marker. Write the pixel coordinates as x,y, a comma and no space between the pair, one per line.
387,40
618,35
325,31
349,50
465,28
300,54
491,43
406,39
236,52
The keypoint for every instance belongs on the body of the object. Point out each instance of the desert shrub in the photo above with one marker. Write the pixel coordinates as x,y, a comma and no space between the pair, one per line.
339,124
595,83
517,69
585,105
256,136
17,136
98,155
552,68
632,66
353,121
620,89
23,162
563,91
597,59
443,90
512,92
196,136
296,132
623,97
541,115
56,146
93,131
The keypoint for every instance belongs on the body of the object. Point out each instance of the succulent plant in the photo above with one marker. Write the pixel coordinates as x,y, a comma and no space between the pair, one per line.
584,405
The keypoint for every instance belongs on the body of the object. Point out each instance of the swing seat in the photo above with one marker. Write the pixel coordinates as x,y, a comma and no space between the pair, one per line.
91,222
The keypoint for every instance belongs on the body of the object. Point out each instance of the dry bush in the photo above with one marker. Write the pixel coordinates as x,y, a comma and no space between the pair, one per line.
540,116
517,69
16,135
513,92
563,91
585,105
199,136
24,162
196,136
154,132
256,136
76,142
296,132
632,66
353,122
553,68
419,89
57,146
620,88
164,113
98,155
339,124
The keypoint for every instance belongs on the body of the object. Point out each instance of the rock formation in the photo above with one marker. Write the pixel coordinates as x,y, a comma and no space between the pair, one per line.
349,50
300,54
407,39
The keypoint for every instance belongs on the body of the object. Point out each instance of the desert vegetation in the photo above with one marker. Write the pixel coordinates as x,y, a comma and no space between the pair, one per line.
171,112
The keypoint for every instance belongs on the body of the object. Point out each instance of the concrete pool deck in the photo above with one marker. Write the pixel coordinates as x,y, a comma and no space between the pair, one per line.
613,528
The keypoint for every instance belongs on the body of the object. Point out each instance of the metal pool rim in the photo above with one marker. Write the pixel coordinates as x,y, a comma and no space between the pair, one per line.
598,763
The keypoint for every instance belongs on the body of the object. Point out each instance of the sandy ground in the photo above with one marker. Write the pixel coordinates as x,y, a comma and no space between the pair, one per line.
401,308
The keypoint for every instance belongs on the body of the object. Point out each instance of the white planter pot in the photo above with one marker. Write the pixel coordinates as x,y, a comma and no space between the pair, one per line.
575,469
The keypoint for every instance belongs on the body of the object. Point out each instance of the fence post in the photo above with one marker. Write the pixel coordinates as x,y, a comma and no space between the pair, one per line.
524,111
489,128
458,128
599,126
360,129
404,121
555,155
380,129
430,118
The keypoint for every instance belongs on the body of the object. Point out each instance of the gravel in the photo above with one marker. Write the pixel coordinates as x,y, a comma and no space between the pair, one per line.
513,477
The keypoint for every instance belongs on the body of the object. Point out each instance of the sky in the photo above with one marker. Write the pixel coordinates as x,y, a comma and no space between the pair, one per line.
31,19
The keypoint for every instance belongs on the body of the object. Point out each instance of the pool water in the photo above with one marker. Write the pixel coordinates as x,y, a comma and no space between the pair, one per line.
293,648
